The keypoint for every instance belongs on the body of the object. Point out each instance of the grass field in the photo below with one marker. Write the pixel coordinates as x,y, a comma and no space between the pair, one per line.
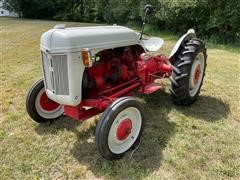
197,142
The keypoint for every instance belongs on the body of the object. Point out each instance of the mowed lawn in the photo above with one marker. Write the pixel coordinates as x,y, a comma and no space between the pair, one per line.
197,142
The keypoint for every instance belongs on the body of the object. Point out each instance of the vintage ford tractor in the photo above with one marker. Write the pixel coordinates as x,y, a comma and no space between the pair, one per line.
90,70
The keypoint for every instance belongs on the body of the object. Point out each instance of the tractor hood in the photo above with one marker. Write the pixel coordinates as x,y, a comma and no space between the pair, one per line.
62,40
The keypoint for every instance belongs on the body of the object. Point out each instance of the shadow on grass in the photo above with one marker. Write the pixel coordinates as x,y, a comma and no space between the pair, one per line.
157,132
206,108
54,127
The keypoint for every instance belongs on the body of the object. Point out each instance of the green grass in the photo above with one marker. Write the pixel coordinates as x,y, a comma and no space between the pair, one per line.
197,142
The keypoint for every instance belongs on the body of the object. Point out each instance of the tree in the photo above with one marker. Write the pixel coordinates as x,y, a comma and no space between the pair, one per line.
218,20
13,5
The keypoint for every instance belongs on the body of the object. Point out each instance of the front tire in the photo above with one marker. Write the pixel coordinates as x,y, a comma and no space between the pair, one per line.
119,128
39,107
188,73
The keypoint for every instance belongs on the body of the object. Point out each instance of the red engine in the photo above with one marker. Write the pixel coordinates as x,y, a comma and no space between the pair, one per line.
112,67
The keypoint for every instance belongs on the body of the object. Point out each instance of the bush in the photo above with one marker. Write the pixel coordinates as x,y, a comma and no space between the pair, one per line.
213,19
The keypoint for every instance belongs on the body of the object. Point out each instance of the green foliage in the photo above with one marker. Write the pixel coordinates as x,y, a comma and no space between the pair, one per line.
216,20
13,5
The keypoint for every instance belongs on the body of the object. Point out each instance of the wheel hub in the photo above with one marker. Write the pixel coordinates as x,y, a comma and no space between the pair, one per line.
47,104
124,129
197,73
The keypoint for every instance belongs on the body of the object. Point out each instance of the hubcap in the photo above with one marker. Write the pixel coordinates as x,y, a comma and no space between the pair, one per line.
47,108
124,130
196,74
47,104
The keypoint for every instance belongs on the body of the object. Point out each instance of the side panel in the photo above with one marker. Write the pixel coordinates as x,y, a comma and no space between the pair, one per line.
76,70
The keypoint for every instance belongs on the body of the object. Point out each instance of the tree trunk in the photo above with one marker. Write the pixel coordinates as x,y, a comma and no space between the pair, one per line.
81,8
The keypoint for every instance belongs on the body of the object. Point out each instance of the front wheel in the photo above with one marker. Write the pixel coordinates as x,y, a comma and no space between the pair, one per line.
188,73
119,128
39,107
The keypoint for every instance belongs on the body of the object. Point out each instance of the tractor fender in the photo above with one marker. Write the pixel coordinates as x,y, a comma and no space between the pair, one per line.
189,35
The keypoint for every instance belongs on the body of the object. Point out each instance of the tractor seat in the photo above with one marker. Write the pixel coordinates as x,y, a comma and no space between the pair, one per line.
153,44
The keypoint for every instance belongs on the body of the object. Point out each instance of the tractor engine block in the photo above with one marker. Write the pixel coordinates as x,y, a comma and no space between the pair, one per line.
111,68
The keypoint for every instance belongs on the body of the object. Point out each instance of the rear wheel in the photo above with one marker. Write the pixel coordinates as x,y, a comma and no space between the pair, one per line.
39,107
119,128
188,73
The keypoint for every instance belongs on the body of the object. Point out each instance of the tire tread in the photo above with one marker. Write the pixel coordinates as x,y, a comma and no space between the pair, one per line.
182,68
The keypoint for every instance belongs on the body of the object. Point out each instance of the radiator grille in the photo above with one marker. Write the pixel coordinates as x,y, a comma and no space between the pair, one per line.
56,73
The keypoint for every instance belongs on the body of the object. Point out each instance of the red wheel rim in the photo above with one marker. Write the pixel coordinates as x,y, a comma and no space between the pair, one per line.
124,129
197,74
47,104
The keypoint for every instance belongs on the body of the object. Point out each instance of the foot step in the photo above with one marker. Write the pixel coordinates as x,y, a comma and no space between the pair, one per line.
150,88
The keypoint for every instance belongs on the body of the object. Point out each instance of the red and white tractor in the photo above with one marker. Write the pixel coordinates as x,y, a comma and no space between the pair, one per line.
90,70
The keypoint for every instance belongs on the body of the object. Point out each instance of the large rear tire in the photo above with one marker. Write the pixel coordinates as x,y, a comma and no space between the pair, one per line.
119,128
39,107
188,73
